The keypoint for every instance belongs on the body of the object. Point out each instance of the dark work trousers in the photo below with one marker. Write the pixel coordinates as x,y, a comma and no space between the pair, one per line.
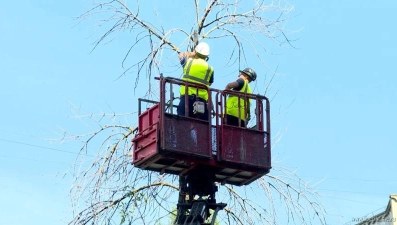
233,121
191,100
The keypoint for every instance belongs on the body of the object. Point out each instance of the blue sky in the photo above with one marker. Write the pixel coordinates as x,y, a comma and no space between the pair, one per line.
339,129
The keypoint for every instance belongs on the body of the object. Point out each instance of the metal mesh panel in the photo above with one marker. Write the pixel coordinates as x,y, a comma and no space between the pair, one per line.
236,147
187,136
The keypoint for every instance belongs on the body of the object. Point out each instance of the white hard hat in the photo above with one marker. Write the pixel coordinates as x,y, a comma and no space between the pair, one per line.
203,49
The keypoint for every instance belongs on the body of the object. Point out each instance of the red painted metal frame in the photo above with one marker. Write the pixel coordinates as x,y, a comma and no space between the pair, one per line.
236,155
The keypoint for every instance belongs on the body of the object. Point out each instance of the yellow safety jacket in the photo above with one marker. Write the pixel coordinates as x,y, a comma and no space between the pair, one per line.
197,71
232,103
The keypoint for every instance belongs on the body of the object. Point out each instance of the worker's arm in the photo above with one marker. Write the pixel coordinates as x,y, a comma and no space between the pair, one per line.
185,55
235,85
231,85
211,79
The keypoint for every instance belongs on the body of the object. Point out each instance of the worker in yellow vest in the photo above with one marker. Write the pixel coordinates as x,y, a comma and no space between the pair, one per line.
232,106
196,70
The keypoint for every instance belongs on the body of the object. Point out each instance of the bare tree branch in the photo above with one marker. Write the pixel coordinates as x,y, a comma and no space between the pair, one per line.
243,20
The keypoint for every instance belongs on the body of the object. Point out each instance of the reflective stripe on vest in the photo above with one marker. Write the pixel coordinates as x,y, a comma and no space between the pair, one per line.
195,78
197,71
232,103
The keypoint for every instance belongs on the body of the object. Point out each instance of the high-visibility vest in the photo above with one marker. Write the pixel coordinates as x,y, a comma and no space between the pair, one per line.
197,71
232,103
